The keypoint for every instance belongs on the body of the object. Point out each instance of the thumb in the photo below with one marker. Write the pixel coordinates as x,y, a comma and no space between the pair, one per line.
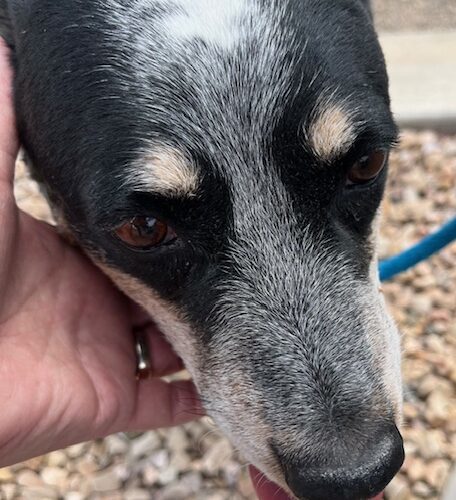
9,144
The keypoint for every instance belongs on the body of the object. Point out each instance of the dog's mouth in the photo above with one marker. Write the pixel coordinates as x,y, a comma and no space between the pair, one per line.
267,490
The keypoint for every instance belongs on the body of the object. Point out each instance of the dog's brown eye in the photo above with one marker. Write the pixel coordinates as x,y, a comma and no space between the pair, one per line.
145,233
367,168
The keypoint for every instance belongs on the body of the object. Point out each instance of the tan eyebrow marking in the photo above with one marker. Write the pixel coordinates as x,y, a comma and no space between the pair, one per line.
165,171
331,132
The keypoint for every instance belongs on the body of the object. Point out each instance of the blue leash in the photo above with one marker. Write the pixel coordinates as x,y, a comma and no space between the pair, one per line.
419,252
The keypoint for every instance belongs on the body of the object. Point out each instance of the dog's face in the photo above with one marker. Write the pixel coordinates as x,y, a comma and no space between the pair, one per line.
225,162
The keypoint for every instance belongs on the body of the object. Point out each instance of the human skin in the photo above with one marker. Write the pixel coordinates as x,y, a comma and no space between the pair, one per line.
67,359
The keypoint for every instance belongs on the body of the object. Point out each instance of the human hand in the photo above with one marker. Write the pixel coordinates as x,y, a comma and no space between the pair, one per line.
67,360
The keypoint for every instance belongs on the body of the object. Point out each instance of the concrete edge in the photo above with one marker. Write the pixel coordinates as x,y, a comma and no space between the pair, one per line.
444,124
427,102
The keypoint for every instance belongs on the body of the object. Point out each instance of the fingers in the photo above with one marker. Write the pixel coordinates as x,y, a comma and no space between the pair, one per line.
163,359
160,403
8,139
165,404
265,489
156,354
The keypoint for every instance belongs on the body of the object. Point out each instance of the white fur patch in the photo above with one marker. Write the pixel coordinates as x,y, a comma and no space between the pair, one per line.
164,171
213,21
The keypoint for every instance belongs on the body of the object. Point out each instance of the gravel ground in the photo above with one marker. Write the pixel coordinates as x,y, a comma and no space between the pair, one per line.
197,462
394,15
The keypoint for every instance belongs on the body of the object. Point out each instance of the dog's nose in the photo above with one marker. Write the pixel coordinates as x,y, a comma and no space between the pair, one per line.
357,477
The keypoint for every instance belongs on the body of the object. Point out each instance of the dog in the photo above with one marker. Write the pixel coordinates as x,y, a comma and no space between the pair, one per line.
224,162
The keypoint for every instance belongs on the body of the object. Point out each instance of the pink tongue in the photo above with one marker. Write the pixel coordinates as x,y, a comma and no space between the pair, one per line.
270,491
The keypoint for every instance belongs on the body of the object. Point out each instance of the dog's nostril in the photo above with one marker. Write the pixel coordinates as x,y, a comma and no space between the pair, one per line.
349,478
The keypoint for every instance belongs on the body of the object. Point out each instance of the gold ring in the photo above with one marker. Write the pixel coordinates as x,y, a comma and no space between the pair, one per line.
143,362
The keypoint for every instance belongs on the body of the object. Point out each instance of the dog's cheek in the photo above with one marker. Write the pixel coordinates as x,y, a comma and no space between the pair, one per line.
169,320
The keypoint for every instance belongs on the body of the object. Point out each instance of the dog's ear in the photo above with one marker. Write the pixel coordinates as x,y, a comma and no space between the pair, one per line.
6,28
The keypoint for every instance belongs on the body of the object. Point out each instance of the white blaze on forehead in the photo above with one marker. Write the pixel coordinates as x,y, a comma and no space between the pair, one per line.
213,21
332,131
164,171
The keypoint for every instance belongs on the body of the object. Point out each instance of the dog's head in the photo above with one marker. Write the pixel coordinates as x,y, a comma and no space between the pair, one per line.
225,162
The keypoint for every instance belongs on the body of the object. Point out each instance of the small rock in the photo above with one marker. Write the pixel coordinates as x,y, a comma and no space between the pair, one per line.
232,471
168,475
116,445
73,495
150,475
137,494
87,465
123,471
79,483
436,343
217,456
160,459
410,448
106,481
422,490
423,283
53,476
109,496
56,459
432,383
39,493
9,491
174,492
33,463
410,411
77,450
431,444
192,481
437,472
414,369
438,408
398,489
28,478
180,461
177,439
422,304
245,486
6,475
145,445
134,481
214,495
415,468
196,430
